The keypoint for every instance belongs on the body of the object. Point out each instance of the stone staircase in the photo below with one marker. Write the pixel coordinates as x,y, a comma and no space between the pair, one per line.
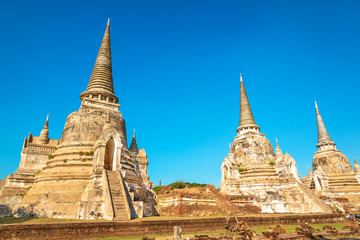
314,199
118,196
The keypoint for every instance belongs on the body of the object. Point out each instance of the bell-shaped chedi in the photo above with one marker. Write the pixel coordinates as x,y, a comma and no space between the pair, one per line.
34,155
328,159
141,162
333,174
252,168
285,164
90,174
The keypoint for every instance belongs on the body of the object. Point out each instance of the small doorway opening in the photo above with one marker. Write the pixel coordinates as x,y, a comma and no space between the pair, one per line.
225,172
109,154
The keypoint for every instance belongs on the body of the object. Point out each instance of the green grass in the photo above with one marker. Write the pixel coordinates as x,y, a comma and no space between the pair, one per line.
291,228
180,185
14,220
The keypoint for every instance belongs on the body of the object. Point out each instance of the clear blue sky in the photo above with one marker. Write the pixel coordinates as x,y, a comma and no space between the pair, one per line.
176,68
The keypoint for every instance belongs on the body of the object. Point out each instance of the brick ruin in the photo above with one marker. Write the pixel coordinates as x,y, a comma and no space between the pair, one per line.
90,230
202,201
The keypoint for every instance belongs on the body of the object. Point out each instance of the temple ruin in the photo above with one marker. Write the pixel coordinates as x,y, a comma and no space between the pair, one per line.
333,174
90,173
252,168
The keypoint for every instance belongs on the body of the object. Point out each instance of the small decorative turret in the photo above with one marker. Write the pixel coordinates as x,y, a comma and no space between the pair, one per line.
324,140
44,135
101,81
357,170
30,137
278,151
310,174
356,166
247,121
133,146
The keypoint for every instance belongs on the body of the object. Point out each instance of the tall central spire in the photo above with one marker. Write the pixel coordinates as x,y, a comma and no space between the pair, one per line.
323,135
101,80
246,116
324,141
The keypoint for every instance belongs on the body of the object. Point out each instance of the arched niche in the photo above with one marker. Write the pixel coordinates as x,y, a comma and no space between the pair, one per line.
225,172
109,159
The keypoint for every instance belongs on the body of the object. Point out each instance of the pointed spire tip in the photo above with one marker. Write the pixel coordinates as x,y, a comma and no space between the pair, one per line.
47,122
246,116
355,162
323,135
133,145
101,80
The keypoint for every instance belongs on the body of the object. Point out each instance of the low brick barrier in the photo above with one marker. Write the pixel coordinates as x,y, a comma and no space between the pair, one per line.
89,230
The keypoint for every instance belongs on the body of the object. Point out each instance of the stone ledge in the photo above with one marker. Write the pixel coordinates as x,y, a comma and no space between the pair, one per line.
88,230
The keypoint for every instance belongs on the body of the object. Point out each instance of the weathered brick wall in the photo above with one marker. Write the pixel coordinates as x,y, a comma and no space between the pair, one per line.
88,230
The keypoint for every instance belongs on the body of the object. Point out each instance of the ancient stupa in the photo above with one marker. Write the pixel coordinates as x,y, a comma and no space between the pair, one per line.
90,172
333,174
252,168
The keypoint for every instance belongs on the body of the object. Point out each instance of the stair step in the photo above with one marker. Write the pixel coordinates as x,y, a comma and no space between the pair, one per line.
117,195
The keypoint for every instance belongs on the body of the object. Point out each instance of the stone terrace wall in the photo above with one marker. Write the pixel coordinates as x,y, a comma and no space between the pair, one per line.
87,230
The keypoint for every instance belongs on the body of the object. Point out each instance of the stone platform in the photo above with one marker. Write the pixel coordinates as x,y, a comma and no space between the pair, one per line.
107,229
